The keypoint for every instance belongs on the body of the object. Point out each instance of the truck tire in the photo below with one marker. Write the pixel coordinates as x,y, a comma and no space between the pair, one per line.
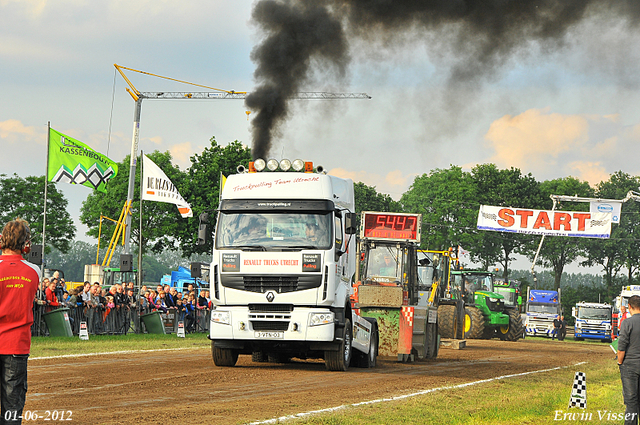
473,323
448,320
278,358
513,331
340,360
223,356
258,357
369,360
433,341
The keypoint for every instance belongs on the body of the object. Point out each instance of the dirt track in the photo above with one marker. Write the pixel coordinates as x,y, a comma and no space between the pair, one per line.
170,387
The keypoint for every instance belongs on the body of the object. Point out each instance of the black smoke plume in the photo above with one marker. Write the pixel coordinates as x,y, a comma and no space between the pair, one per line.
298,34
482,35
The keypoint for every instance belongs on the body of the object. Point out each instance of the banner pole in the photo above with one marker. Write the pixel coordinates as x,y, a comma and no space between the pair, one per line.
140,227
46,184
535,259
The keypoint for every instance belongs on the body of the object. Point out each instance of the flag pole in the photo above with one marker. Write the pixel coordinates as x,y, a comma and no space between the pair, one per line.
46,181
140,227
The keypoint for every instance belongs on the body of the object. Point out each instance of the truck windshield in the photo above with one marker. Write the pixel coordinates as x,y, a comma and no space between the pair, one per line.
543,308
592,313
267,230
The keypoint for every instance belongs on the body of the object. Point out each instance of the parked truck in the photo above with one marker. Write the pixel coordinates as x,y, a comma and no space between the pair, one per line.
181,279
284,257
593,321
622,300
543,307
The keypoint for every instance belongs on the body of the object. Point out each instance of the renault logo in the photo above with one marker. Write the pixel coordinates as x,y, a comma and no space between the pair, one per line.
270,296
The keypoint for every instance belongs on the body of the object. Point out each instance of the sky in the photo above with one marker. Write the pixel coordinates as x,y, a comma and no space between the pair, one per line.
569,110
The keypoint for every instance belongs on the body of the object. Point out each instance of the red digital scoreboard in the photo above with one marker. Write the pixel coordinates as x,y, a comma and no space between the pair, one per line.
391,226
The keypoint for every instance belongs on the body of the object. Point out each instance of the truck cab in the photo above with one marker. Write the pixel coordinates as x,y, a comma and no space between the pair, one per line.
282,267
593,321
543,307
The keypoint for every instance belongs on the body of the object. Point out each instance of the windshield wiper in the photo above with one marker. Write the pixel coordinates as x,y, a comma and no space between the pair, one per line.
286,248
248,247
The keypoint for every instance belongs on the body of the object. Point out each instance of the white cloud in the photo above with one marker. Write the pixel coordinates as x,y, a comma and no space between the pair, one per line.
551,145
14,131
394,183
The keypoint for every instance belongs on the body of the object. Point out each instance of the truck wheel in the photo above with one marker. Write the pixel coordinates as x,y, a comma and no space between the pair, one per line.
278,358
448,320
258,357
340,360
223,356
513,330
473,323
433,342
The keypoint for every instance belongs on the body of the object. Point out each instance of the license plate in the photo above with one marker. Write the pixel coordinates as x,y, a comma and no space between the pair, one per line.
269,335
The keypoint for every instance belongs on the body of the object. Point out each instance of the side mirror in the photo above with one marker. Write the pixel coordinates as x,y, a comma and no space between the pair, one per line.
350,227
573,311
203,228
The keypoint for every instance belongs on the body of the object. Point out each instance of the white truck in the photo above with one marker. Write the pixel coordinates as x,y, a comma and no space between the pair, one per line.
282,269
593,321
622,300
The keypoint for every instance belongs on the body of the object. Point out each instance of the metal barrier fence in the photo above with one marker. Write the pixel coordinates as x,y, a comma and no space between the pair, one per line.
120,320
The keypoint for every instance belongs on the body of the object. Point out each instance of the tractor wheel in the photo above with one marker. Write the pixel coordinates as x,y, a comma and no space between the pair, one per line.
473,323
433,341
340,360
488,333
513,331
448,321
223,356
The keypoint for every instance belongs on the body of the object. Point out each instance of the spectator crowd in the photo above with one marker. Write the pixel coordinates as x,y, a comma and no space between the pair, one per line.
118,308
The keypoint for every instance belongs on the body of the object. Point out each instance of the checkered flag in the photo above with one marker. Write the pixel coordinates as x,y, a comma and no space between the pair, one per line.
579,391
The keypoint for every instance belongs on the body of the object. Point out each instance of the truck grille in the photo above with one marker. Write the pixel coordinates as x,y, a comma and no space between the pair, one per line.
269,326
271,308
264,283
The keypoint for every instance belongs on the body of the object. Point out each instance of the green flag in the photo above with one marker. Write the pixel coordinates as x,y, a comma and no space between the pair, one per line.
71,161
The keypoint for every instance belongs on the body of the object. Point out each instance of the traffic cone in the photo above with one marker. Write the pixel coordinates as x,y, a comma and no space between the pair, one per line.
579,391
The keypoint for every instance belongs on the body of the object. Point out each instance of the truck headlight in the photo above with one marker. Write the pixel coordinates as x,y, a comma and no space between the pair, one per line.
493,300
223,317
579,325
316,319
607,326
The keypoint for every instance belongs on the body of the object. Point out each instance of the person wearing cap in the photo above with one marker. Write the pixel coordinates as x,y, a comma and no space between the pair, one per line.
18,285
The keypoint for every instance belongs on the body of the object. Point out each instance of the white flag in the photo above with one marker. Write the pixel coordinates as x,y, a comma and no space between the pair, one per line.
157,187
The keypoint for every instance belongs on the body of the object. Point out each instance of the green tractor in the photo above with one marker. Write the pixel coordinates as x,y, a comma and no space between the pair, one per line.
510,290
486,313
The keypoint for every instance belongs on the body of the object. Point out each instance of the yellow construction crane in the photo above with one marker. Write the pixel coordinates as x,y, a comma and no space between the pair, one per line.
220,93
215,93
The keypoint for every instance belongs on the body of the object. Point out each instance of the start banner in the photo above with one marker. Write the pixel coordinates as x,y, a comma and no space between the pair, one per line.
541,222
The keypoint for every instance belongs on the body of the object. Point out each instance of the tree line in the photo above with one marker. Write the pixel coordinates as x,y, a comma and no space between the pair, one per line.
448,199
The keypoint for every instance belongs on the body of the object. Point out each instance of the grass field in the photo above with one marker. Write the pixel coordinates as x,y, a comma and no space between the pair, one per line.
532,399
49,346
540,398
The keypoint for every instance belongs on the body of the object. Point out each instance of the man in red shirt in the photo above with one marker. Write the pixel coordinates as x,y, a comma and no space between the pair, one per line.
18,284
